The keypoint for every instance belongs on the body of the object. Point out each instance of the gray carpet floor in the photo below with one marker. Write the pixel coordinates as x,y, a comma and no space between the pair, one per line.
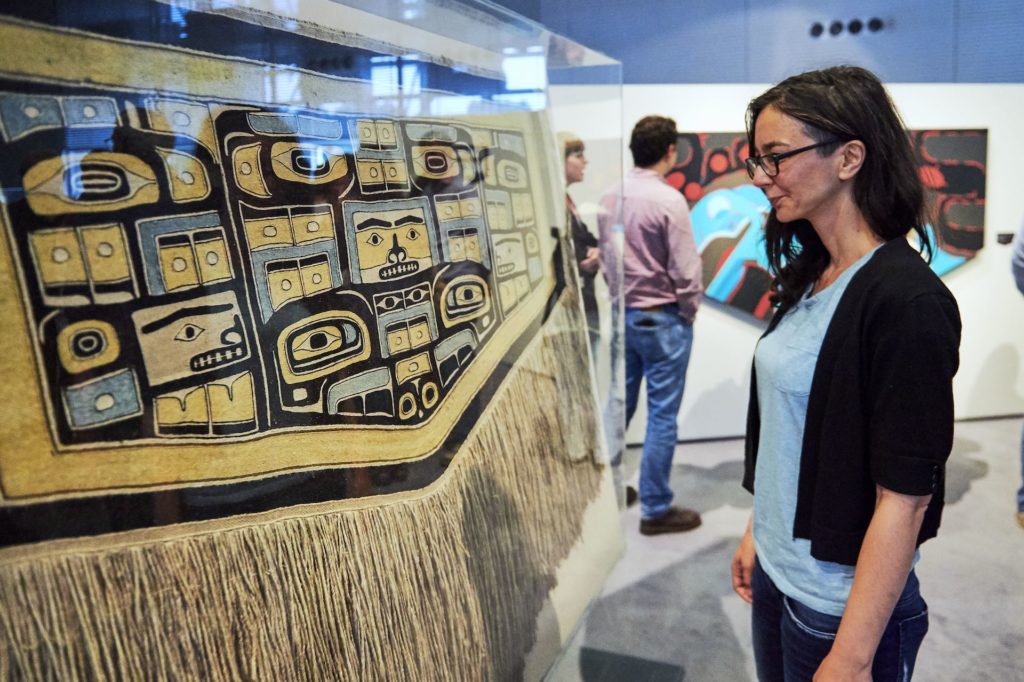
668,612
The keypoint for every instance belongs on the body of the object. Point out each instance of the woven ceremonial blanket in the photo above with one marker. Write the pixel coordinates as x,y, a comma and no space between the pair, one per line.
293,389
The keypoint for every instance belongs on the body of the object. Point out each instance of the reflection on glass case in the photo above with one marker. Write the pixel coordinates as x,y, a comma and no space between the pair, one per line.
277,279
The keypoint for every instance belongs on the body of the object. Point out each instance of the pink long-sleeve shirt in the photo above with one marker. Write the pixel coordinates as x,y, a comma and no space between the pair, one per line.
660,262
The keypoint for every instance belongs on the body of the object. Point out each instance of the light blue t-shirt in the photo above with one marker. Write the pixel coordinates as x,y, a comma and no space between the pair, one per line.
785,362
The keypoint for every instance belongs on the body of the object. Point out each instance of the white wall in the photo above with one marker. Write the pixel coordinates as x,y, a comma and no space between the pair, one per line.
990,381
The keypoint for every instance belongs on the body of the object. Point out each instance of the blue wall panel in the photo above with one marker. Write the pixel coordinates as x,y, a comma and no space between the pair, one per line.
659,41
915,43
736,41
991,36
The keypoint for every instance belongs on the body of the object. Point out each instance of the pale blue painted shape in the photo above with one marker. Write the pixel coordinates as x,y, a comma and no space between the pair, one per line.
725,213
150,229
24,114
103,401
942,261
291,253
273,124
320,127
90,111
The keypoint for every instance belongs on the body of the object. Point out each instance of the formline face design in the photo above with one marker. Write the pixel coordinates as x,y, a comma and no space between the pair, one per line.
198,273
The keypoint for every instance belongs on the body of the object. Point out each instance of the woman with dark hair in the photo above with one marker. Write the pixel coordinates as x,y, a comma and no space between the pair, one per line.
851,407
588,256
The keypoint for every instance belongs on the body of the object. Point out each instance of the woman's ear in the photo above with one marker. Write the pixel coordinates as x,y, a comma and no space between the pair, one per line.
851,159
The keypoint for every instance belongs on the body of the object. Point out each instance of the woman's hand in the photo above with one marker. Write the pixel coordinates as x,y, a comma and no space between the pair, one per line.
833,669
743,565
592,261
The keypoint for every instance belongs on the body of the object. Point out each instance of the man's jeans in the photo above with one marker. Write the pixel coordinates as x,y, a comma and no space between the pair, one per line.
1020,493
657,349
791,640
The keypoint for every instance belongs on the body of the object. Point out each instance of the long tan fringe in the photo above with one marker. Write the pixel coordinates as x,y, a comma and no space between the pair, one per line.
446,586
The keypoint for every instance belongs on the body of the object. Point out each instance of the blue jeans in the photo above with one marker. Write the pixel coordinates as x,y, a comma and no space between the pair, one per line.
657,349
791,640
1020,493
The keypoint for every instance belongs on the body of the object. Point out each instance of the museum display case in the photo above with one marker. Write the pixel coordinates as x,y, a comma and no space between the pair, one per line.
299,376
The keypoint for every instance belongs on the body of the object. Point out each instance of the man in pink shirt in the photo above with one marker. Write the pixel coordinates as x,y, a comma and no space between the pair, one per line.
662,290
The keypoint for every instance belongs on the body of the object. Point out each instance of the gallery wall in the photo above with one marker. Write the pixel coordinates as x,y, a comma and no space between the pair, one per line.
754,41
990,381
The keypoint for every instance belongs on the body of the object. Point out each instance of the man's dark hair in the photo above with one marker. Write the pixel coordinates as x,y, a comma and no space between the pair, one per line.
651,138
843,103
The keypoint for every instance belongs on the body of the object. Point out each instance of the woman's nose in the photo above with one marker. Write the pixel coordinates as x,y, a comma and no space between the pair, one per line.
760,179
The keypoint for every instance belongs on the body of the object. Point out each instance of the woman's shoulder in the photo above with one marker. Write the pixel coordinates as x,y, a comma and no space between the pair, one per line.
897,285
900,272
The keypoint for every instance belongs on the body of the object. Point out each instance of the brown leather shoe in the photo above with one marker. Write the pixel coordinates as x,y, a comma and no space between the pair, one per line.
675,520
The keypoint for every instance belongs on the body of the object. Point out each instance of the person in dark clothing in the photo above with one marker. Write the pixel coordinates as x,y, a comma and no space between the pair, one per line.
851,407
584,243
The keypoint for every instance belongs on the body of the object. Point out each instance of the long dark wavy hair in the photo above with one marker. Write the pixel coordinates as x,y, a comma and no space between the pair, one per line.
843,103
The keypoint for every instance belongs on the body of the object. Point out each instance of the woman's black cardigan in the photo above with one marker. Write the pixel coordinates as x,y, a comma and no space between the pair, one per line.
880,410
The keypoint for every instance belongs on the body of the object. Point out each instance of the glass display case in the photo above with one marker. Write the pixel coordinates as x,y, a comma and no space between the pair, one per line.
284,278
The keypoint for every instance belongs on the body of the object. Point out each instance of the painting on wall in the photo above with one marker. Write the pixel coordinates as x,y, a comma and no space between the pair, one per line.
292,377
728,212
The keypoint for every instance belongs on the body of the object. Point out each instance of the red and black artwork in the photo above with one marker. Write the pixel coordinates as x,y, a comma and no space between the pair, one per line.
952,168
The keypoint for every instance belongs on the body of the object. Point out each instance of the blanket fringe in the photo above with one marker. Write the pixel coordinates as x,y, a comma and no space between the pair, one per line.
446,585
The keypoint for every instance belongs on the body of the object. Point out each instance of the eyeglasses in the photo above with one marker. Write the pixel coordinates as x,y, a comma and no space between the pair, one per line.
769,163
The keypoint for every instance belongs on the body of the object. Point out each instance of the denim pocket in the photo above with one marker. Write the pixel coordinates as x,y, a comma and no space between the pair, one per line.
912,632
918,621
651,319
896,655
813,623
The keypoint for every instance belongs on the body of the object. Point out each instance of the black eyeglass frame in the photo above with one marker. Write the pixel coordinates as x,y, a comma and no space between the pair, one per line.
753,162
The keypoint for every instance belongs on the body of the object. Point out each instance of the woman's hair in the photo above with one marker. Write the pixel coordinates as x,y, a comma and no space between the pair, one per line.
570,144
843,103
